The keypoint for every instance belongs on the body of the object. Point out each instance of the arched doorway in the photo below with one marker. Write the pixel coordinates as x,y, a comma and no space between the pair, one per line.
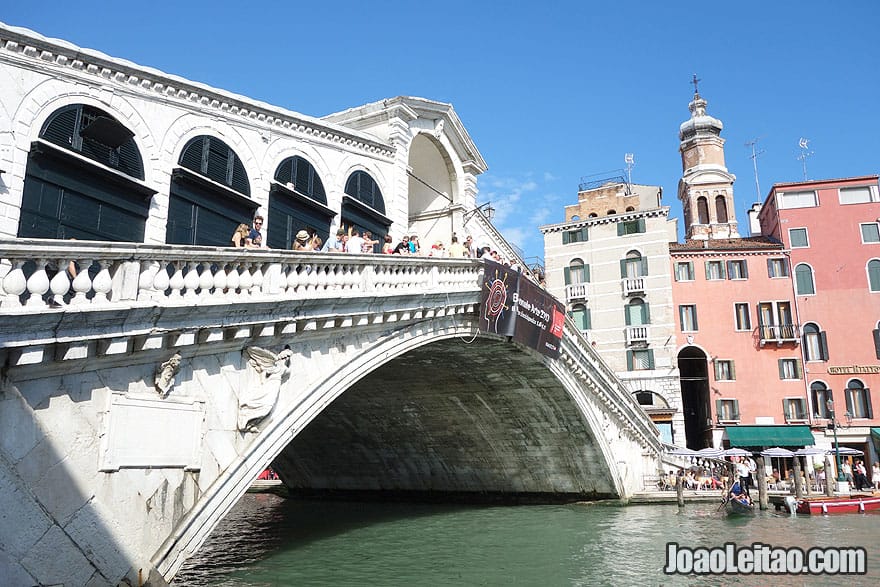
431,190
694,368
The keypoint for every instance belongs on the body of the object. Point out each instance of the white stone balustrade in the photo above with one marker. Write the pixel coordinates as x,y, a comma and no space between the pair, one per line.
39,274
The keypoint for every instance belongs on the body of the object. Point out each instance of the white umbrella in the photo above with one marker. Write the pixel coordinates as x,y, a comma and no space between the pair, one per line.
845,450
682,452
736,452
810,451
777,452
710,453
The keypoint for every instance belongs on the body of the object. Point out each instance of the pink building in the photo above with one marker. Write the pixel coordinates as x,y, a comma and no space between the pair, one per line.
831,230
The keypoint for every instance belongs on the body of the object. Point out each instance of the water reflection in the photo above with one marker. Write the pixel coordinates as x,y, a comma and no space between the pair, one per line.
267,540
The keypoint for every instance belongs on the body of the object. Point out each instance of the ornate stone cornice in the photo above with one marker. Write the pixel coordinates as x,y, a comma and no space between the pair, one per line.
663,212
24,45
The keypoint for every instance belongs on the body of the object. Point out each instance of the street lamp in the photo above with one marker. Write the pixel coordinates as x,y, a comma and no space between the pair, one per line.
485,209
830,405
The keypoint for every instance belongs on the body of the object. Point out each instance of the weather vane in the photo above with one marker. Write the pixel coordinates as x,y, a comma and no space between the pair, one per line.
695,81
754,157
805,152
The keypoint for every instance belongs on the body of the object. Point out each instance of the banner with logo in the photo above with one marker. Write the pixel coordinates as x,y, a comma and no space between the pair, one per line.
512,305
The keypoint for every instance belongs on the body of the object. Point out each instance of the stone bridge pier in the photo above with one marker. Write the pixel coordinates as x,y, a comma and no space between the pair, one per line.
140,399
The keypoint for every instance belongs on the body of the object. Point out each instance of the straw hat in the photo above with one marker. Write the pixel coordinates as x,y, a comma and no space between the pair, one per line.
302,235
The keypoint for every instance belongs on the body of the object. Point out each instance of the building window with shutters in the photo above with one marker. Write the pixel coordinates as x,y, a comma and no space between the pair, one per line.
794,409
684,271
640,359
631,227
858,400
577,235
633,266
580,315
804,284
798,238
819,396
870,233
815,343
715,270
743,317
874,275
876,334
637,313
777,268
728,410
790,369
724,370
687,314
737,269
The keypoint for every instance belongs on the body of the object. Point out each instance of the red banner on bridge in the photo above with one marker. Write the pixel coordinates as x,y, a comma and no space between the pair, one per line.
512,305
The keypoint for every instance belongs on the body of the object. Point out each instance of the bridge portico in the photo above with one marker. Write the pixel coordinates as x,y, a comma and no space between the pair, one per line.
389,386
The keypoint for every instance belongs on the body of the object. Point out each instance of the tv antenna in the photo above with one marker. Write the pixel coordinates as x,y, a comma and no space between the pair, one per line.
753,144
805,152
629,158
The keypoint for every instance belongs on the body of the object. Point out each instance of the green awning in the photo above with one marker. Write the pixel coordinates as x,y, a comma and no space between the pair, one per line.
875,436
786,436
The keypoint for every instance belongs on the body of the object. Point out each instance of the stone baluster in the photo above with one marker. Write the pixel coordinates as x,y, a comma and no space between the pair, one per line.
322,281
311,280
245,279
221,282
82,283
145,280
191,281
206,281
161,281
102,284
15,283
258,278
60,283
233,281
363,278
292,278
175,282
37,284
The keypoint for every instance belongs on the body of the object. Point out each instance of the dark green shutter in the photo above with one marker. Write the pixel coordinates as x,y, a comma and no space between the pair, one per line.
870,413
781,365
798,369
644,266
641,225
733,371
586,274
566,237
646,313
626,315
849,402
588,319
650,358
567,275
696,325
745,268
718,410
623,268
877,342
620,229
629,360
736,409
823,345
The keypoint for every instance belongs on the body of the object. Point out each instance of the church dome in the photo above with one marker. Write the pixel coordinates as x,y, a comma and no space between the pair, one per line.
699,123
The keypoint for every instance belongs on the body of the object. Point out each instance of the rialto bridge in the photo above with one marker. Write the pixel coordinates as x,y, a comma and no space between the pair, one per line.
144,387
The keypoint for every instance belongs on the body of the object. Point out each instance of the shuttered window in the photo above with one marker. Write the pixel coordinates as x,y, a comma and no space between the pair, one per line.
364,188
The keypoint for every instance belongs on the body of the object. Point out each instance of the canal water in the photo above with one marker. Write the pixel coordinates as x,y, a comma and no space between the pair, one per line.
268,540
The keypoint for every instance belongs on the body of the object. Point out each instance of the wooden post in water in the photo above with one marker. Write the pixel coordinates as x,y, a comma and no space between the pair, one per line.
829,480
810,478
763,502
798,486
679,490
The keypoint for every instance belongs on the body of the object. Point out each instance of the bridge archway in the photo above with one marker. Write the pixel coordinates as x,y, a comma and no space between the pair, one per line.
505,423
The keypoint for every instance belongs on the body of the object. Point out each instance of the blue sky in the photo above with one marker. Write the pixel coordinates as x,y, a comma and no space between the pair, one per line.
548,93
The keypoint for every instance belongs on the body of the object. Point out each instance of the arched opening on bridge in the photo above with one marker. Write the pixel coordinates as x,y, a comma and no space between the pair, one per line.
431,190
693,365
450,421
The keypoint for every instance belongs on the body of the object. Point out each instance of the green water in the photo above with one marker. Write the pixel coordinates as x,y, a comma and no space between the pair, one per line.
267,540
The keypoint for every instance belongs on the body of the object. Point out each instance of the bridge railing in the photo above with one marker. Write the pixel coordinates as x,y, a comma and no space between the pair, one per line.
609,389
36,274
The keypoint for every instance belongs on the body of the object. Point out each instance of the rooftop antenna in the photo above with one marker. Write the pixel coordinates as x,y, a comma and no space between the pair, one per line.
805,152
754,157
629,158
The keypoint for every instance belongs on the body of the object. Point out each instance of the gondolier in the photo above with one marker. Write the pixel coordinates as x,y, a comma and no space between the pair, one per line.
742,471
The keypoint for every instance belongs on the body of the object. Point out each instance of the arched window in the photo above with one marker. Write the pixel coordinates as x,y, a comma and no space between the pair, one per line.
611,212
721,209
815,343
76,182
858,400
209,193
580,314
645,398
593,215
803,275
819,396
297,201
577,272
630,209
702,210
637,312
634,265
363,206
874,275
575,218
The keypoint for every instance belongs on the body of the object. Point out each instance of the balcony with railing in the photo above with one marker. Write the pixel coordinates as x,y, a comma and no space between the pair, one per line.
577,292
779,333
637,334
633,285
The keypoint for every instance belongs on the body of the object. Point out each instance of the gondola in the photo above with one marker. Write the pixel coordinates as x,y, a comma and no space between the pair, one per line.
735,507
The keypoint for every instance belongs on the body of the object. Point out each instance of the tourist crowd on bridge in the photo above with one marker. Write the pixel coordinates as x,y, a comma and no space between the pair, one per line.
355,240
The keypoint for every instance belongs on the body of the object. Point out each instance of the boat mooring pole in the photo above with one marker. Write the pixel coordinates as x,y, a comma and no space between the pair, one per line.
829,481
679,490
763,502
798,486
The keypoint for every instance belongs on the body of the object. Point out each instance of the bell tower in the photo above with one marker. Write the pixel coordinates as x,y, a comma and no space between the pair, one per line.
706,187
